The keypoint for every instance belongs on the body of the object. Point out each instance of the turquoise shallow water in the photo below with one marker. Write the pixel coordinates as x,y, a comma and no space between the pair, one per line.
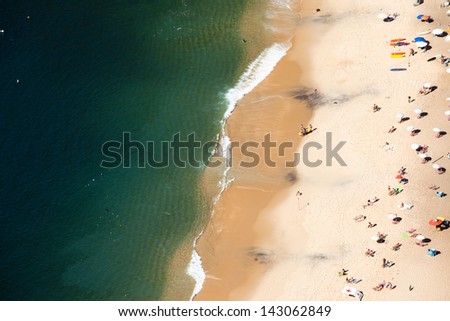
88,71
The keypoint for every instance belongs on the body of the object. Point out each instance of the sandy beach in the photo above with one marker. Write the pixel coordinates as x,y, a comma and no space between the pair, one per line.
265,241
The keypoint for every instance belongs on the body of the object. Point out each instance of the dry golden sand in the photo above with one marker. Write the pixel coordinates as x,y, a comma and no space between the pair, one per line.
263,242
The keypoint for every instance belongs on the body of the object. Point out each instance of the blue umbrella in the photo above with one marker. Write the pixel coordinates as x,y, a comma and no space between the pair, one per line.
417,39
420,16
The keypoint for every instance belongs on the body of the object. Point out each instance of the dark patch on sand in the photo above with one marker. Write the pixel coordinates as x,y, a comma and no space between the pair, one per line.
314,99
318,257
261,256
291,177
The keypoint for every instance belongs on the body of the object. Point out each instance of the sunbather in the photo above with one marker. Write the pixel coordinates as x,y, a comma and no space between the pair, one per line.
359,218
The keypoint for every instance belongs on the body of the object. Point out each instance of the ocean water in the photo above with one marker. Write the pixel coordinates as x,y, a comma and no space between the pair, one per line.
73,75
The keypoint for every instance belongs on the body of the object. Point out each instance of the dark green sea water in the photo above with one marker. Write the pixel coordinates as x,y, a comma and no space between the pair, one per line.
88,71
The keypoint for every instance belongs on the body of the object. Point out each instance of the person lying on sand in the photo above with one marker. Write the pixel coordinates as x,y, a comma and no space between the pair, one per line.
387,263
424,91
391,191
359,218
405,206
302,130
394,191
396,247
352,280
391,130
381,235
371,202
370,225
343,272
380,286
370,253
375,108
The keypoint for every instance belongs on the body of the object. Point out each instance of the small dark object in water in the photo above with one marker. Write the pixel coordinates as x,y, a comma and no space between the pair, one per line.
317,10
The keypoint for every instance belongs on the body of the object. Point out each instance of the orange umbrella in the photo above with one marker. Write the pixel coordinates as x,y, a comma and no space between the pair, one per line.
435,222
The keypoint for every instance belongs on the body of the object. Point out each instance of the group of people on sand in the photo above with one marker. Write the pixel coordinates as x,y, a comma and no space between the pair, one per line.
305,131
394,190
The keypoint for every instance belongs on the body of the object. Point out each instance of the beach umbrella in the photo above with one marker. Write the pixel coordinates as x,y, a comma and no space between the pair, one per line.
418,111
423,156
436,130
427,85
349,290
435,222
420,16
437,32
420,237
392,216
421,44
400,116
375,238
382,16
415,146
417,39
410,128
447,113
448,98
448,70
436,166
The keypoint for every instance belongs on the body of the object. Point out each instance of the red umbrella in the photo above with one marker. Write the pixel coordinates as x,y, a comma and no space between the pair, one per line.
435,222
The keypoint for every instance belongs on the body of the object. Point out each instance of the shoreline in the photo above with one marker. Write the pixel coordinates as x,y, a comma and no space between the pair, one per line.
244,186
255,256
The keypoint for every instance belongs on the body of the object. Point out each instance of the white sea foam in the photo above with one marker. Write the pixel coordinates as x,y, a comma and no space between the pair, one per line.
195,270
195,267
259,69
281,3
